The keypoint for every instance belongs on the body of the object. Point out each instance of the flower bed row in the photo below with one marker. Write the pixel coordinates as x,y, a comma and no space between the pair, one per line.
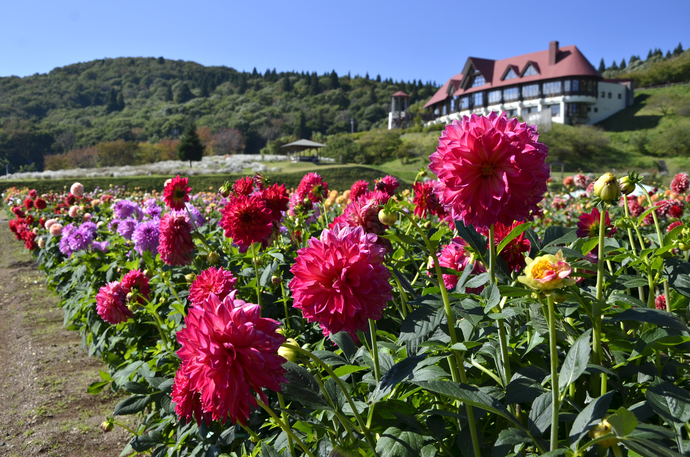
262,321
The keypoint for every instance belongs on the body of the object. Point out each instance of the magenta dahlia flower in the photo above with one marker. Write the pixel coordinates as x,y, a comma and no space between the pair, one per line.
244,186
229,354
175,243
491,169
454,257
387,184
588,225
277,199
110,303
312,187
176,192
247,220
211,281
680,183
426,201
187,401
340,280
358,189
137,283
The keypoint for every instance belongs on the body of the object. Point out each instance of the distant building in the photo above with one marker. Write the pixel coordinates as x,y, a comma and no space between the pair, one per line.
558,81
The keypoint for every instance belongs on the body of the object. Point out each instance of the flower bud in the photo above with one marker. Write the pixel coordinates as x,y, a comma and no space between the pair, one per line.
287,350
627,187
387,217
190,278
275,280
213,257
607,188
108,425
223,191
601,429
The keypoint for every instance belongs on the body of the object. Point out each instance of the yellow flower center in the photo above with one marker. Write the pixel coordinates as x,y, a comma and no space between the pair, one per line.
540,267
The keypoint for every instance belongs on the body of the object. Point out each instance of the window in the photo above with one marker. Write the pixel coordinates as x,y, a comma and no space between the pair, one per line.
566,86
479,99
609,94
555,110
620,96
465,103
494,97
478,81
576,85
589,109
511,113
576,109
510,75
590,87
552,88
596,110
530,91
436,112
445,110
530,71
603,94
511,94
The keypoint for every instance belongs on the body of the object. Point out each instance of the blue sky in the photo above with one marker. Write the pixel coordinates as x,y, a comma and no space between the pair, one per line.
427,40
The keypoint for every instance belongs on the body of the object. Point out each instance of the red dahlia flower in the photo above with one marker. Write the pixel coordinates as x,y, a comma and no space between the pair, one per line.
136,282
33,194
588,225
340,280
110,303
387,184
39,203
277,199
426,201
513,252
673,225
211,281
28,203
176,193
312,187
247,220
229,355
187,401
491,169
244,186
358,189
660,302
680,183
175,240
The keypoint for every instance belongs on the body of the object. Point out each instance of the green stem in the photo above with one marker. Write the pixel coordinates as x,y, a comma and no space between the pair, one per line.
403,299
616,451
598,354
125,427
358,417
160,324
456,360
374,350
255,261
631,239
285,304
167,282
553,354
283,414
661,245
285,427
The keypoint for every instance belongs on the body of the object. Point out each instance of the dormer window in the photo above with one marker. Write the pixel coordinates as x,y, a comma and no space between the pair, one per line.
478,81
510,75
529,71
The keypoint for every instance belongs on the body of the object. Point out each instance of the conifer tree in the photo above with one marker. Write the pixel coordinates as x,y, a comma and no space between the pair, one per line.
679,50
120,101
614,66
378,78
668,54
190,147
183,94
111,104
315,87
649,55
300,125
161,60
96,99
242,84
203,91
287,87
622,65
168,95
335,83
255,73
602,66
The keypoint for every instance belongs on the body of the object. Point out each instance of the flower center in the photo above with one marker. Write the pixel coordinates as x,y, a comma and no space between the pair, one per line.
179,193
487,169
541,267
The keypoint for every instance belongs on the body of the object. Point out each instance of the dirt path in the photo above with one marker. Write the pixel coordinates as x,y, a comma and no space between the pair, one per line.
44,407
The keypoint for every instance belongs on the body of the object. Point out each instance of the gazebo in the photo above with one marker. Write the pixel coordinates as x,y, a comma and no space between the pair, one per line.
295,150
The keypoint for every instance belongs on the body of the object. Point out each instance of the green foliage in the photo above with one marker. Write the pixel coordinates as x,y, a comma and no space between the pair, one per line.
190,147
183,94
575,146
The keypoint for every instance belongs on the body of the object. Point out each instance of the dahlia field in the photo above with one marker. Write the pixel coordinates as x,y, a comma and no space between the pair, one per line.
479,314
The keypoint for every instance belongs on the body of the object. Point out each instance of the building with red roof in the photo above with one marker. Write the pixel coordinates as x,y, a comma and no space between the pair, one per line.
558,84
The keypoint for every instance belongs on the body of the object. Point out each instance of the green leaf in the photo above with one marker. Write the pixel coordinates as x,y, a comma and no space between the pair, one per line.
540,414
470,395
96,387
345,342
397,443
347,369
670,402
268,451
143,443
421,322
516,232
623,422
556,235
302,387
677,272
132,405
477,242
575,362
135,388
589,417
651,316
588,245
401,371
507,439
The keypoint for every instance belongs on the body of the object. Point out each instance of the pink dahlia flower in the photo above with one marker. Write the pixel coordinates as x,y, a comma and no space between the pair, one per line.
513,252
77,189
340,280
175,240
358,189
660,302
312,187
244,186
680,183
364,213
581,181
176,192
211,281
137,283
387,184
634,206
187,401
277,199
110,303
455,257
229,355
491,169
247,220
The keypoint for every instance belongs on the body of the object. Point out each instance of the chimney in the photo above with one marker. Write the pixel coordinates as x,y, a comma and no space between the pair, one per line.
553,52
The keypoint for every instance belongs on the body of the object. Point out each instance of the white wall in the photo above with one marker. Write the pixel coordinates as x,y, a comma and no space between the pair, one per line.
605,106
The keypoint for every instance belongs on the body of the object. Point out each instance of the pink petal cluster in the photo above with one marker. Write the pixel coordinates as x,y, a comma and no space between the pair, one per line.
135,281
581,181
680,183
247,220
358,189
426,201
588,225
454,256
176,192
312,187
175,240
340,280
111,305
387,184
365,213
228,355
211,281
491,169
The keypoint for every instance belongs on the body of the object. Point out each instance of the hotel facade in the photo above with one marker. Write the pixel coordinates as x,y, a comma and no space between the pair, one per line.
560,81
